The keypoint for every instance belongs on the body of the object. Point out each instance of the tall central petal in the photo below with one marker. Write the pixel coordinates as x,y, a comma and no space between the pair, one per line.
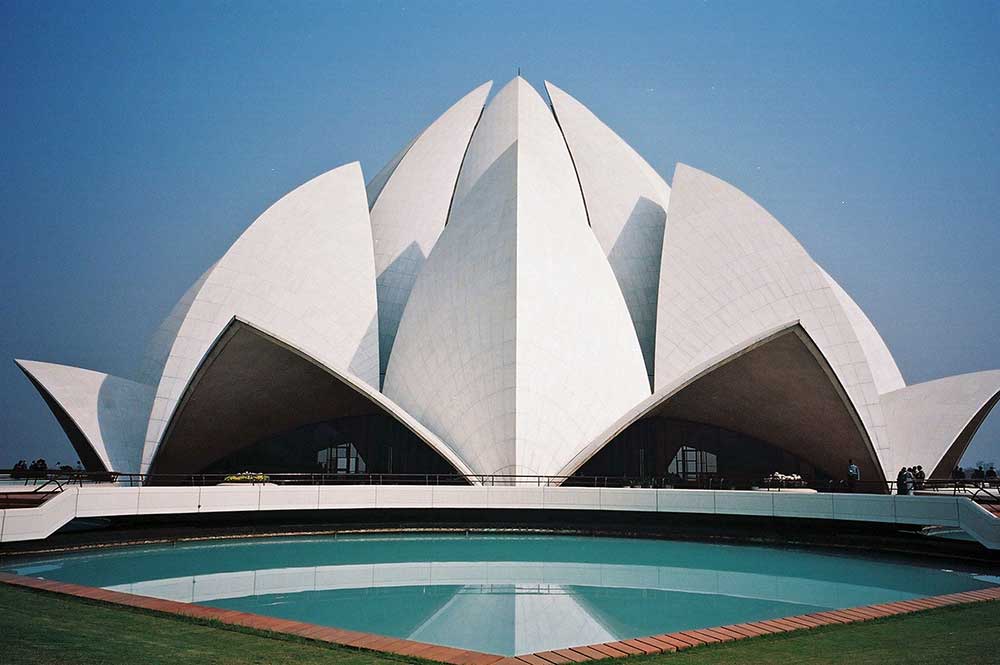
516,346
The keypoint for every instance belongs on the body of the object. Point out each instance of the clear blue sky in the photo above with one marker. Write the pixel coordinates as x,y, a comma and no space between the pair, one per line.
138,139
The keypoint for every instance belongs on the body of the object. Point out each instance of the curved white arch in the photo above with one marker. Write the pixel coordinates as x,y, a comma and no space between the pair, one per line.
730,270
304,269
516,346
103,415
238,391
932,423
409,204
627,207
781,396
885,373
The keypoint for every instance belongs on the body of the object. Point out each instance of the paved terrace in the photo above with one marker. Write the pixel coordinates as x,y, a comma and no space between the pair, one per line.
97,500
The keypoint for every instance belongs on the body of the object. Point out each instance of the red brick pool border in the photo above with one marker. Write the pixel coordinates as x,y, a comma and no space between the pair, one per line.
665,643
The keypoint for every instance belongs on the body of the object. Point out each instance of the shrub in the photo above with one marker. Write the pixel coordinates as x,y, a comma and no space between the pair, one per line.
247,477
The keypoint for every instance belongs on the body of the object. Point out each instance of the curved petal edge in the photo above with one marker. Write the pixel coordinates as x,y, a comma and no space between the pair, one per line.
885,372
516,346
252,384
305,269
626,203
411,207
932,423
729,270
102,415
776,386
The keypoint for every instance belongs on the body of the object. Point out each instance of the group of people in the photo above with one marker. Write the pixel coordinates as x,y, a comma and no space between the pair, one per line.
910,479
978,473
38,468
23,470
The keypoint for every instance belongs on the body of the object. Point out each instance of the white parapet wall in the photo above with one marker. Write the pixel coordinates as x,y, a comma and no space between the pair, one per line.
20,524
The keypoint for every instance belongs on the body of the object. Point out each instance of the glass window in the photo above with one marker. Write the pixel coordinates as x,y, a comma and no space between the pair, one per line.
690,463
341,458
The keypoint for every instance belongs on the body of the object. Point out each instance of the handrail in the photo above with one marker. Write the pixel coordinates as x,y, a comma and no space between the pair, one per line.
981,490
50,481
986,493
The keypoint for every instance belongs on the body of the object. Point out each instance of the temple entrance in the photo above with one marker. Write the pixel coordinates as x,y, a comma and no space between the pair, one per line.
353,445
661,451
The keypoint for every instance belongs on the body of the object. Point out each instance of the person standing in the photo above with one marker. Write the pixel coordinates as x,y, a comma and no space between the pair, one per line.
853,474
901,481
920,477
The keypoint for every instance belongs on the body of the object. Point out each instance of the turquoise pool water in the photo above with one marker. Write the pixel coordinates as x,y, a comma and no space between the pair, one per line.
504,594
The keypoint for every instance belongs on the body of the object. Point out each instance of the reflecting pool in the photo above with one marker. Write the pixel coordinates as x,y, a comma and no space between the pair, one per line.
504,594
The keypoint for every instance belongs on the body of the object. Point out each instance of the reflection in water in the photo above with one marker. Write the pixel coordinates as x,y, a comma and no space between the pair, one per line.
505,595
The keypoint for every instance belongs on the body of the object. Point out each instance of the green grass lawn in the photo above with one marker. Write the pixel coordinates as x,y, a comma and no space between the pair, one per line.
962,634
37,627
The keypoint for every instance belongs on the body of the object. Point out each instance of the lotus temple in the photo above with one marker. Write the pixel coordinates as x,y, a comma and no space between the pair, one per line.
515,401
517,293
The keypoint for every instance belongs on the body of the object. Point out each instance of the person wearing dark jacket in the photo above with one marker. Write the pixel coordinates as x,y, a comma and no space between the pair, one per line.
20,469
853,474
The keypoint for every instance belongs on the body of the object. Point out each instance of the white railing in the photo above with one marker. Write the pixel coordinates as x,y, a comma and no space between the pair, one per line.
19,524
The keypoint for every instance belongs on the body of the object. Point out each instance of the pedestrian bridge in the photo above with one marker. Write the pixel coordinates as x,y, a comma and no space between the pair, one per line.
108,500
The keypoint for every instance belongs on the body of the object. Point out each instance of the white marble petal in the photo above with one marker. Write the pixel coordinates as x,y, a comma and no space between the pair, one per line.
932,423
409,207
107,412
304,270
276,389
885,373
158,347
627,206
809,445
466,281
516,346
730,270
